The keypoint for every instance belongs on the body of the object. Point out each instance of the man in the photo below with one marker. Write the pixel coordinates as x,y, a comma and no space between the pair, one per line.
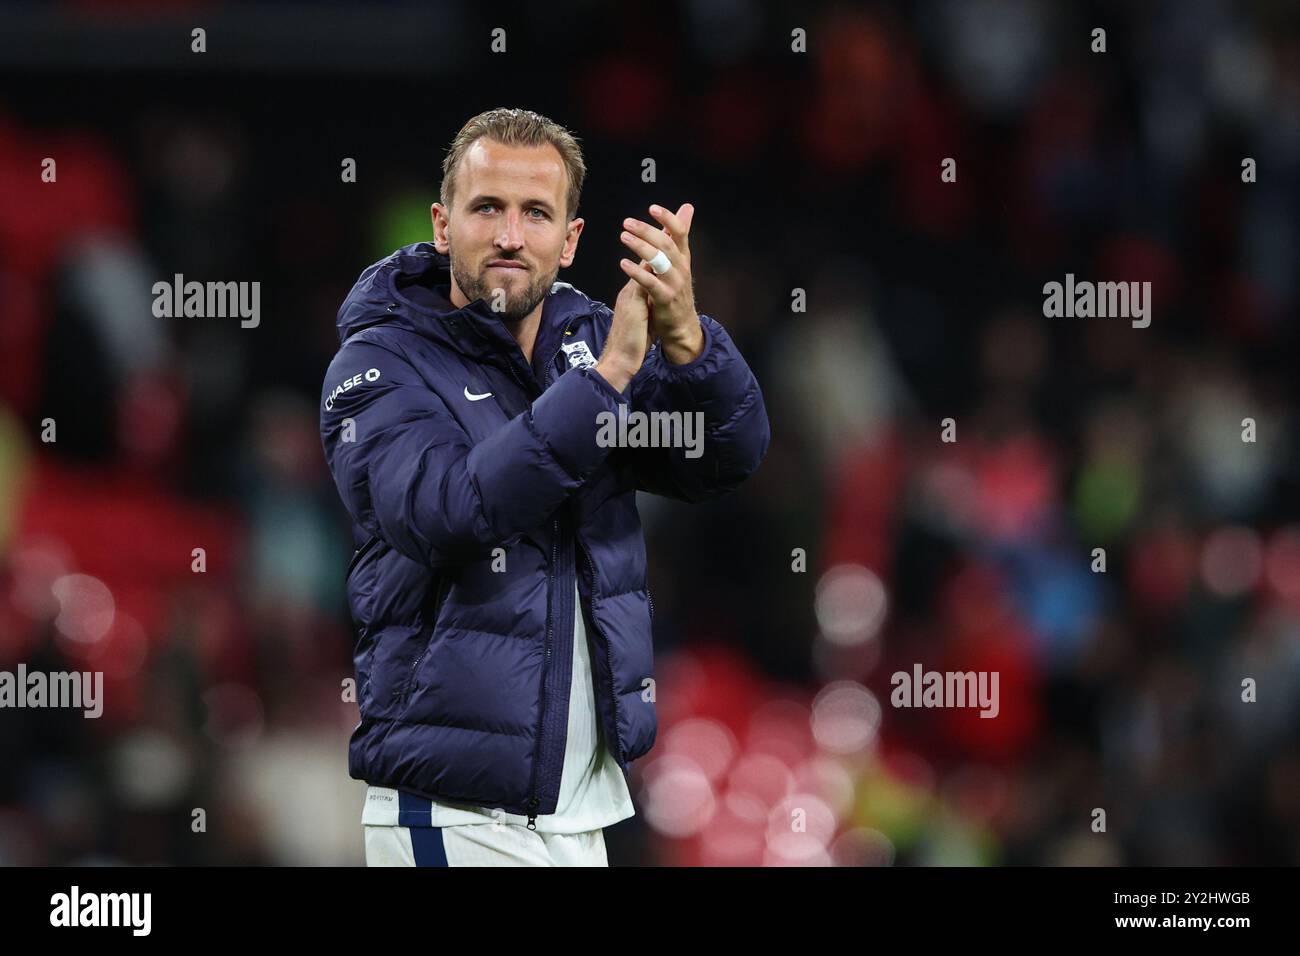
504,659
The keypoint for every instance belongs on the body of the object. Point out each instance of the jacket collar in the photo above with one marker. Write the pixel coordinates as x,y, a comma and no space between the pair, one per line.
473,330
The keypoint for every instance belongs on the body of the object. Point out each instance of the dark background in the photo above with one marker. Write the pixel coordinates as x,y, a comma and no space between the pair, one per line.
818,171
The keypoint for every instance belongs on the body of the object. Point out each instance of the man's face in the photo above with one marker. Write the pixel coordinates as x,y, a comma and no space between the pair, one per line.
506,235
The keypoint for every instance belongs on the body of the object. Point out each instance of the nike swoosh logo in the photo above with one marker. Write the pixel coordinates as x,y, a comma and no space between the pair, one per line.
476,398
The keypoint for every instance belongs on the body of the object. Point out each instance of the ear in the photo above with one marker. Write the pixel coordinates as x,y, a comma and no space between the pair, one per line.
571,243
438,213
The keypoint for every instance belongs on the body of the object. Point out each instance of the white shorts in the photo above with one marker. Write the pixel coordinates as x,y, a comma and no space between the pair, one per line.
482,844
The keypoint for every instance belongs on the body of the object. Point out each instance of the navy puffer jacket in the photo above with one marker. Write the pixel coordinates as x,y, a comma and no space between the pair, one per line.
474,512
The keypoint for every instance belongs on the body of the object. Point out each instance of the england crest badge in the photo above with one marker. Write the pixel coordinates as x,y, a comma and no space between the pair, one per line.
579,354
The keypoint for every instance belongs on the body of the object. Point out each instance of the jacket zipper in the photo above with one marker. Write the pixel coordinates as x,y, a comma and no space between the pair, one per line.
550,365
360,553
433,626
609,661
533,801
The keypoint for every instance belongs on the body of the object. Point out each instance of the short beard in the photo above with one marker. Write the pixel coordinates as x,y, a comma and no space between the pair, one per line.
518,303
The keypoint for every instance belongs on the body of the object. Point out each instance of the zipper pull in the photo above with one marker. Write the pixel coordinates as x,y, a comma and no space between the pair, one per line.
532,817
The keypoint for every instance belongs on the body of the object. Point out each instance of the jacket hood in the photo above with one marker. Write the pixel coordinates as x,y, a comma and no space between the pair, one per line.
410,289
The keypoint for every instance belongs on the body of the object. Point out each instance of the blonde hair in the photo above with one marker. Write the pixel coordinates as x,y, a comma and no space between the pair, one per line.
516,127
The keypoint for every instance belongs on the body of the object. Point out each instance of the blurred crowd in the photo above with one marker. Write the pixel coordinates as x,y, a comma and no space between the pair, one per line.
1098,533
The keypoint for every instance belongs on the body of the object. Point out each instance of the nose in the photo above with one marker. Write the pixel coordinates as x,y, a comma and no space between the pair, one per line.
511,238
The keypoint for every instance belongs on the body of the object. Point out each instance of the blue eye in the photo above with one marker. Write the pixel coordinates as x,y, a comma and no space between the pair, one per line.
488,205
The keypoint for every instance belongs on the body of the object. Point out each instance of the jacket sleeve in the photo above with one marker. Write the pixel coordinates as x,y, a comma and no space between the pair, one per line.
719,384
408,472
